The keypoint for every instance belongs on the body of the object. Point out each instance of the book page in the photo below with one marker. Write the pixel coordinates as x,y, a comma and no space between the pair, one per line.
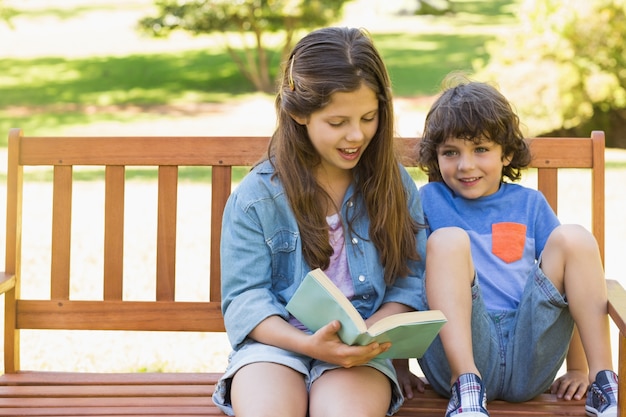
411,317
336,293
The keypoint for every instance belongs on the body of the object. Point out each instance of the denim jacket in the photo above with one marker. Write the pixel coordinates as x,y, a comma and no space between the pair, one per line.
262,262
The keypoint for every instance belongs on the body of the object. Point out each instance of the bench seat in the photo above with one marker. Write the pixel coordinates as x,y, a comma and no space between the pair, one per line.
186,394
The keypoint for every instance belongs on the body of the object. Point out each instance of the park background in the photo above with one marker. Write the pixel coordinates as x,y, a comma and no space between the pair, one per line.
79,67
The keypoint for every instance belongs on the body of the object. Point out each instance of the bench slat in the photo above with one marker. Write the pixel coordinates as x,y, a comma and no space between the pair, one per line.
119,315
113,378
61,232
174,410
114,233
220,190
166,233
114,392
134,150
560,153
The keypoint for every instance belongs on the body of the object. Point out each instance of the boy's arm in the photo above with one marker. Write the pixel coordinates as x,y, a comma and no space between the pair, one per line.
574,384
407,380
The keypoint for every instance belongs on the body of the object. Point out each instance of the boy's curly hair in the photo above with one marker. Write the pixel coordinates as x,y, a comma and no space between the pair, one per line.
473,111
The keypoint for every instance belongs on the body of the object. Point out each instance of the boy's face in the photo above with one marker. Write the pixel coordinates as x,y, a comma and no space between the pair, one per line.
471,170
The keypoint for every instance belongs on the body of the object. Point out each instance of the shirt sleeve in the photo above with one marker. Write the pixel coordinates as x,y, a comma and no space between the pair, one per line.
545,222
247,297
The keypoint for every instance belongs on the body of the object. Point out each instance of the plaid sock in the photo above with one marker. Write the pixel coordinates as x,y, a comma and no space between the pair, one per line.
468,395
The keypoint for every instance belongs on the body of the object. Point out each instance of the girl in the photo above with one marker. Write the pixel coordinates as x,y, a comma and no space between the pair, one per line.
332,195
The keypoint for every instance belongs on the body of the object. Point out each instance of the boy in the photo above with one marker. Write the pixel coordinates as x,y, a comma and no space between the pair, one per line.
513,282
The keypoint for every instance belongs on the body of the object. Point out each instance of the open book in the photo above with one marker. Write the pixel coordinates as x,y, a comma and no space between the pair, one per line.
318,301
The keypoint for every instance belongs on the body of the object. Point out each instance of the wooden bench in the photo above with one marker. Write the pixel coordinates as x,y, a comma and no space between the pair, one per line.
40,393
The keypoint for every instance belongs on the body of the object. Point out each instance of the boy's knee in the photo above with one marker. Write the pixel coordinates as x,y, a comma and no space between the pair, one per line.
572,236
449,238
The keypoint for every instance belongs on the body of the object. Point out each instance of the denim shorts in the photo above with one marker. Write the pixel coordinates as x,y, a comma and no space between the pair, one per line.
252,351
518,353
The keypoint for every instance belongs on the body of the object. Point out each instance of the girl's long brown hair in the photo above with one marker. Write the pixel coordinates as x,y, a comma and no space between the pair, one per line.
326,61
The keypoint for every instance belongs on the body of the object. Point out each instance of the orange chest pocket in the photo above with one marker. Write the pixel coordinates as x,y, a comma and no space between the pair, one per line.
508,240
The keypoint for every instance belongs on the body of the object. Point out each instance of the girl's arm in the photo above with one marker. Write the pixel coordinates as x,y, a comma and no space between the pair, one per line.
324,344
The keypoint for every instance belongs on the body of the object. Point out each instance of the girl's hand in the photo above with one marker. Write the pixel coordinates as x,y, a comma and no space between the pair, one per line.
325,345
407,380
571,385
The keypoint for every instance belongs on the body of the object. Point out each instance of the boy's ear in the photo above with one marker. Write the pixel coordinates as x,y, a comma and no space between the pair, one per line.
506,160
299,119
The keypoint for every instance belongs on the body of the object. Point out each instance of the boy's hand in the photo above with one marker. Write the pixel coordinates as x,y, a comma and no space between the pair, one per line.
406,378
571,385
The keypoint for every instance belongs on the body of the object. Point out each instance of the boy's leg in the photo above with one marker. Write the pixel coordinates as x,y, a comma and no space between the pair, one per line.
449,277
449,280
268,389
571,260
360,391
543,320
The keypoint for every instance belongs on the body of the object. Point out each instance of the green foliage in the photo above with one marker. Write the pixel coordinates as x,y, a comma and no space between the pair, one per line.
6,14
207,16
433,7
563,62
251,19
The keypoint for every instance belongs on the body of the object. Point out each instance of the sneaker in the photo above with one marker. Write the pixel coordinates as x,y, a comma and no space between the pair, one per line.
468,397
602,395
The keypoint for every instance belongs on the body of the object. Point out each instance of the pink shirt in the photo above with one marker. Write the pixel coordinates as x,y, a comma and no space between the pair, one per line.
338,270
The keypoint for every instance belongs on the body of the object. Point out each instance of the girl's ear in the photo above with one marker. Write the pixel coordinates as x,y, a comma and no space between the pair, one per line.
299,119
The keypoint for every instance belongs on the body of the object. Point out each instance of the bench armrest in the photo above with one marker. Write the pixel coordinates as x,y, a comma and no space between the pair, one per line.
617,304
7,282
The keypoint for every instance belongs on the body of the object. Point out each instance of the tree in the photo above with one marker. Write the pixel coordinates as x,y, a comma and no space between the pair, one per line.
6,14
250,21
433,7
564,64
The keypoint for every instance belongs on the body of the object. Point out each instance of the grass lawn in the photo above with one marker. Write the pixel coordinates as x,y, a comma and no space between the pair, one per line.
76,63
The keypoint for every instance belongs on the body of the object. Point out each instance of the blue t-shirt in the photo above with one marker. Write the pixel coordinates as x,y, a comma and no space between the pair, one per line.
508,231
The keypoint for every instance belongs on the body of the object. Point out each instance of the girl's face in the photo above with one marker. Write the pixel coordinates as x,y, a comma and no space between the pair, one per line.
471,170
341,131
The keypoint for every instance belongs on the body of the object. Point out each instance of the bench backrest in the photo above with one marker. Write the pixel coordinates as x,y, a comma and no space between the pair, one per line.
63,155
